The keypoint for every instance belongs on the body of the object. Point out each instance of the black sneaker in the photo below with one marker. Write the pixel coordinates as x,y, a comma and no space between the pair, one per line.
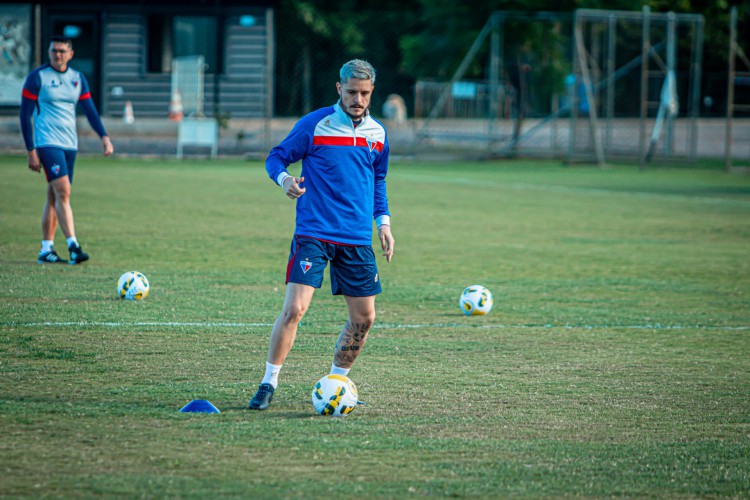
262,398
77,255
50,257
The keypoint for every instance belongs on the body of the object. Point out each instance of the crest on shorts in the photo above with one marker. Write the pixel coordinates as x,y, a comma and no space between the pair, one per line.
305,265
55,168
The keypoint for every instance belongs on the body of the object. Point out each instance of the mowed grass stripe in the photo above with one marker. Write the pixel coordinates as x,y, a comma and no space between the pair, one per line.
615,361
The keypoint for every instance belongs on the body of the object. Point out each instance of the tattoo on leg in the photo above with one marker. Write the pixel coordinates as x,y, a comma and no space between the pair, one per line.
350,343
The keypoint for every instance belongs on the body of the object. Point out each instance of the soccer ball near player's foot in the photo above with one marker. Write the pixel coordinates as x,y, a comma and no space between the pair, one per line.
132,286
475,300
335,396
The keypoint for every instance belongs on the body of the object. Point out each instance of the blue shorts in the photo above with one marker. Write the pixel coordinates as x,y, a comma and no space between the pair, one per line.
57,162
353,269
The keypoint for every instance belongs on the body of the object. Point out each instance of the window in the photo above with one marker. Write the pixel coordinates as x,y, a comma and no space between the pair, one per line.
176,36
159,44
196,36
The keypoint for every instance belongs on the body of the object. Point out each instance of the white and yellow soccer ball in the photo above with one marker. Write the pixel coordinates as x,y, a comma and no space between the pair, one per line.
335,396
133,286
475,300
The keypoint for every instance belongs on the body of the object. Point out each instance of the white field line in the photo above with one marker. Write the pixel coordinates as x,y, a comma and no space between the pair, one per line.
197,324
387,326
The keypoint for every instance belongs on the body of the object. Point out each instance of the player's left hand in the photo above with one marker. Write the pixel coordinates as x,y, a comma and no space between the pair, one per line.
107,147
34,164
386,241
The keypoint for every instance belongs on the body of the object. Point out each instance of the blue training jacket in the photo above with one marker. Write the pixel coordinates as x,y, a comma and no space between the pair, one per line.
344,169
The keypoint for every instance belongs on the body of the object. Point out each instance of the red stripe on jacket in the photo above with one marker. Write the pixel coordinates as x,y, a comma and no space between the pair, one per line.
332,140
28,95
87,95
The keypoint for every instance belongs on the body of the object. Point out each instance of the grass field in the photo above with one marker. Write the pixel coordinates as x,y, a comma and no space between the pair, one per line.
616,361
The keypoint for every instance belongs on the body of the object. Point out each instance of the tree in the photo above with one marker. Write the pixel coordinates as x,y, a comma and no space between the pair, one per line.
407,40
316,37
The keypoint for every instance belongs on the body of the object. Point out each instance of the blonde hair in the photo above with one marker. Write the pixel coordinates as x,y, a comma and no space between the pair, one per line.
357,68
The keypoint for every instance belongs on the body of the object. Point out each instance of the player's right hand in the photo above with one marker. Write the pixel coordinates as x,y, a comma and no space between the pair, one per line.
292,187
107,148
34,164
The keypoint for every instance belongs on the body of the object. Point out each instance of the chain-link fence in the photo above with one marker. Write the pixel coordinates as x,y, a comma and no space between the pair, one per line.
590,85
587,86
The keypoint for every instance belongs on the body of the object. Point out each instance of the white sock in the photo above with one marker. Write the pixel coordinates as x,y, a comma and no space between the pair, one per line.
71,241
47,246
272,375
335,370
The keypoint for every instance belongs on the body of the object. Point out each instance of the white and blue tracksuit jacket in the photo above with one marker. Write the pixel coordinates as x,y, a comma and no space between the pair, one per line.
50,96
344,169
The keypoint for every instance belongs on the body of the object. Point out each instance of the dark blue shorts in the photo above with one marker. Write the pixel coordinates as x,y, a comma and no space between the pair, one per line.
353,268
57,162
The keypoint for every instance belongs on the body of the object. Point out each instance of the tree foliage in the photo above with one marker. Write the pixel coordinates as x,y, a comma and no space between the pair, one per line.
408,40
446,29
322,36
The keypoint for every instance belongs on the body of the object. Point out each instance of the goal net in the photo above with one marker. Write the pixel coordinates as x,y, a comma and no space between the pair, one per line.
187,83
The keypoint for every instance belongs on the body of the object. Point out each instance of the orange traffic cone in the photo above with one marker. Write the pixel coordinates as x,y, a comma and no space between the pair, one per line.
175,107
127,115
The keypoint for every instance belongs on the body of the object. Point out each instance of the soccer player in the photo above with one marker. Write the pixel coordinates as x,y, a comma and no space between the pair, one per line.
50,95
341,189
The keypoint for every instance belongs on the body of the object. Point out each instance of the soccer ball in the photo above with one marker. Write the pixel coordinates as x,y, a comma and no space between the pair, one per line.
132,286
335,396
475,300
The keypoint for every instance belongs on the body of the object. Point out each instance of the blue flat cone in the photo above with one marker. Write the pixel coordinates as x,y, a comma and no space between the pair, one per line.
200,406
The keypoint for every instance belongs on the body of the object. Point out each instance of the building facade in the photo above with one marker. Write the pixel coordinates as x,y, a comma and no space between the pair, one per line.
126,51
